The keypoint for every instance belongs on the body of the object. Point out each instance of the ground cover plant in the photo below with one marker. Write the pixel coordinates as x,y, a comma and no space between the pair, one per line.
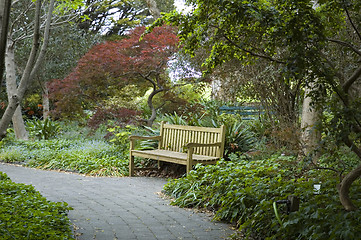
91,157
26,214
242,191
75,149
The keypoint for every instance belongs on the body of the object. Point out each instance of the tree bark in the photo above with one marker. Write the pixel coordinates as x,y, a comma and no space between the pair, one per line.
19,125
32,66
153,9
46,104
11,88
310,136
151,106
4,25
344,189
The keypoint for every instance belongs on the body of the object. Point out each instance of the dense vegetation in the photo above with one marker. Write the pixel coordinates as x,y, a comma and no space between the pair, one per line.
25,214
296,60
241,189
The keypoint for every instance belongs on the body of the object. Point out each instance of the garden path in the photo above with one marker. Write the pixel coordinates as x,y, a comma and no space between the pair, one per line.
118,208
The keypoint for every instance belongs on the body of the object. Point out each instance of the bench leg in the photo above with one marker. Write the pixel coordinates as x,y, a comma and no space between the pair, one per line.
189,167
190,160
131,165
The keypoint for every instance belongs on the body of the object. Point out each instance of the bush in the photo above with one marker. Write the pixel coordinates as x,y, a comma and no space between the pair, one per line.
43,129
92,157
121,116
242,192
25,214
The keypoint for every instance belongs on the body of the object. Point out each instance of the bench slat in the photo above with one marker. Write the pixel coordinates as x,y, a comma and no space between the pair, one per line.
206,146
192,128
155,154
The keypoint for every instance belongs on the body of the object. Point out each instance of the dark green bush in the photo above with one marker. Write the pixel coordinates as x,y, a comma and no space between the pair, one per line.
25,214
243,192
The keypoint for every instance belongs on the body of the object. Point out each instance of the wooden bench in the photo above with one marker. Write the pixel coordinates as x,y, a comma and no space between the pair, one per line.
186,145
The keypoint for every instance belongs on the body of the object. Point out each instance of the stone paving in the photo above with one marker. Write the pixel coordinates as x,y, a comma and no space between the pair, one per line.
119,208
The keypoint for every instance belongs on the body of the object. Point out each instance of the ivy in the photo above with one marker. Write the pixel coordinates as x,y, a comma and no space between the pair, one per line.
26,214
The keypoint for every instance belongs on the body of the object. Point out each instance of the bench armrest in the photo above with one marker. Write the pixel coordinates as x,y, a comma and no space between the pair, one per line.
133,137
192,145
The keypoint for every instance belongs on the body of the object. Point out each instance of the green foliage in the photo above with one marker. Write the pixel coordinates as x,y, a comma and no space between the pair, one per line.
91,157
25,214
239,138
239,135
243,191
175,119
32,108
121,137
43,129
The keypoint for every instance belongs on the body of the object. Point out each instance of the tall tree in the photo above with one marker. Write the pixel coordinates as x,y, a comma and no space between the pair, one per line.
116,17
110,66
5,6
299,37
36,56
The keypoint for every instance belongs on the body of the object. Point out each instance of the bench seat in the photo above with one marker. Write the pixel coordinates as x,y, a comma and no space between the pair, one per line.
174,157
185,145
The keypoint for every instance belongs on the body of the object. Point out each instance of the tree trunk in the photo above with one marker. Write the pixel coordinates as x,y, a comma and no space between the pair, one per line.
344,189
152,108
19,125
153,9
34,61
46,104
311,136
11,89
346,183
4,24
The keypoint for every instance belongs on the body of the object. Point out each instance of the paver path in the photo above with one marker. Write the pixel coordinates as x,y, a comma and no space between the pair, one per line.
118,208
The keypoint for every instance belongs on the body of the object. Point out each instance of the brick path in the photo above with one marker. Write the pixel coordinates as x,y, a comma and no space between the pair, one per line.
118,208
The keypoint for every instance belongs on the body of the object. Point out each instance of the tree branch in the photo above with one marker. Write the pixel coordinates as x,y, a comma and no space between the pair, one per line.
250,52
45,41
356,74
353,25
345,44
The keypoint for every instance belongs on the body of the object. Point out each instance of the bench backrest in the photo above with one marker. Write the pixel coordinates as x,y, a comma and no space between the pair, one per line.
175,137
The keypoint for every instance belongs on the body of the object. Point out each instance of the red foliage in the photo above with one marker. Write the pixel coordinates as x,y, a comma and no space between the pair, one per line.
121,116
111,65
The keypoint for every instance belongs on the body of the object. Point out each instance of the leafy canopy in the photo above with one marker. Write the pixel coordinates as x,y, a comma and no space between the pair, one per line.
110,66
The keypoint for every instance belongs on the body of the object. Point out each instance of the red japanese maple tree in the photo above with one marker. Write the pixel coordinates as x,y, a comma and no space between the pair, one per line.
111,65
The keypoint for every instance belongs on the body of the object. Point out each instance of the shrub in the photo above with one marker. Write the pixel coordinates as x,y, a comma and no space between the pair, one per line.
121,116
25,214
92,157
242,192
43,129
